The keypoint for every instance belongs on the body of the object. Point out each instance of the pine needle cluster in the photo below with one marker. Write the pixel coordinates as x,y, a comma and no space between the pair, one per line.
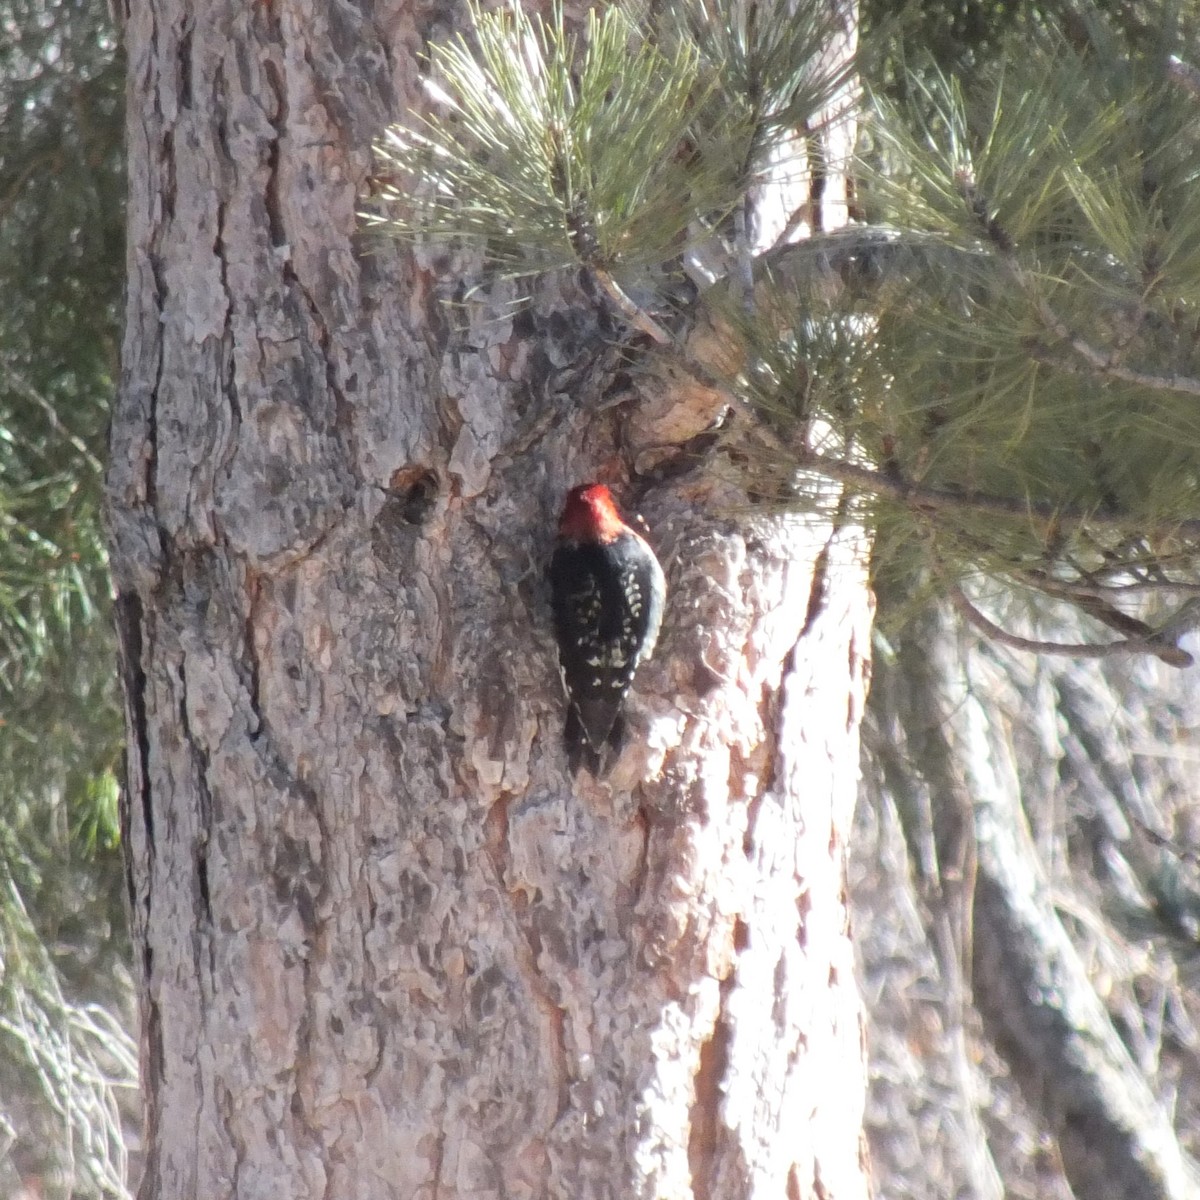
613,150
551,150
1001,369
1042,362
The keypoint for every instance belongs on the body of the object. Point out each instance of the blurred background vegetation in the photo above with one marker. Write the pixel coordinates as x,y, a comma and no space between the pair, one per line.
64,988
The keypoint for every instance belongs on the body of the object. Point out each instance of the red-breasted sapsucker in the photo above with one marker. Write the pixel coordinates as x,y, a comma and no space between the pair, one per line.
607,590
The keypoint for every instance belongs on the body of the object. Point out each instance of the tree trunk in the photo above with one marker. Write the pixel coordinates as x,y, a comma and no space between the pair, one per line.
388,947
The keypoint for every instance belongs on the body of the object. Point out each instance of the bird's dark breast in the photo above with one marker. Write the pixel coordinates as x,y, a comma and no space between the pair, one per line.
598,634
607,594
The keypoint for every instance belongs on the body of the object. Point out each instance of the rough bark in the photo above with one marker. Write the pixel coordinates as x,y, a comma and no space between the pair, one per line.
387,948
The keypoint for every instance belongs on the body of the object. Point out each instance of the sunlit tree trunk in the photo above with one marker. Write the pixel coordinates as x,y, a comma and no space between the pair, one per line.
387,947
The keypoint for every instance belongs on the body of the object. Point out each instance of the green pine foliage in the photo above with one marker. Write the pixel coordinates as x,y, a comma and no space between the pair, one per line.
613,150
60,267
1002,369
765,78
555,150
1046,356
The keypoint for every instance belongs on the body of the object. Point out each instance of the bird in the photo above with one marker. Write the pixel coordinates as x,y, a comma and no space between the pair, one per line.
608,593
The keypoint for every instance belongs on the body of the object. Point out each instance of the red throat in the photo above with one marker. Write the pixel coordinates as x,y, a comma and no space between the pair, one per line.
590,514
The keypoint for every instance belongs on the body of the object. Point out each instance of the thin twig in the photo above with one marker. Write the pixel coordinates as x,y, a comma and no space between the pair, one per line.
1098,363
916,496
793,224
1066,589
1104,363
1183,73
1171,655
635,315
18,381
1160,840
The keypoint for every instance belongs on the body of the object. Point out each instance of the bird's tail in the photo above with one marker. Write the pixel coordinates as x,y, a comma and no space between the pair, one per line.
580,750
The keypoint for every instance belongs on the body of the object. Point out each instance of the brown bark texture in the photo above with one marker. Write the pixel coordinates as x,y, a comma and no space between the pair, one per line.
387,947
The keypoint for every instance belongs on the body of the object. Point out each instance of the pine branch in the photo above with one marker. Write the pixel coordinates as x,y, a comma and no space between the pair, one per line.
1100,362
1172,655
918,497
627,308
21,385
1097,363
1086,588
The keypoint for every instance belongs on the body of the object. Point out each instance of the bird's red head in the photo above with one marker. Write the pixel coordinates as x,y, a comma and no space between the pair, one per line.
590,514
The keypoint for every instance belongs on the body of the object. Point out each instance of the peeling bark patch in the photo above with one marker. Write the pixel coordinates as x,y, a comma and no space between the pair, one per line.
706,1106
128,612
278,120
741,935
819,1191
495,829
803,908
819,591
793,1184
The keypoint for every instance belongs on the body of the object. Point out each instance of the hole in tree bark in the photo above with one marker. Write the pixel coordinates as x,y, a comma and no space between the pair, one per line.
413,492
